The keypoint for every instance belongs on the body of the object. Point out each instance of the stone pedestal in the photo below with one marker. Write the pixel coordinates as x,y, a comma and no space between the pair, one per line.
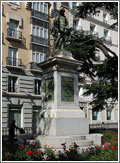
61,116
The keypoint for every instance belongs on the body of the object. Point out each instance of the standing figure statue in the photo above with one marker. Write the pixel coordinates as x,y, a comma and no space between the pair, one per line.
60,30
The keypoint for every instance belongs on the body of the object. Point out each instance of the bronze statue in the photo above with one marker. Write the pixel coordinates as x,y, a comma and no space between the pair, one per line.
60,30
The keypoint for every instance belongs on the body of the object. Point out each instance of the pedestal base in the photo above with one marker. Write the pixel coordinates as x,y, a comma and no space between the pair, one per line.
80,140
63,126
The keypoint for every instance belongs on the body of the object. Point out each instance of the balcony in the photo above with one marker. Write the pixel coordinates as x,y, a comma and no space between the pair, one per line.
39,40
107,39
14,35
39,15
14,61
33,65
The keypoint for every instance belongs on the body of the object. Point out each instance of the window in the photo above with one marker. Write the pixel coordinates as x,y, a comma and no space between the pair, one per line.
37,85
110,115
38,6
12,56
41,6
45,8
92,29
12,84
34,5
13,26
15,114
39,31
96,115
107,36
37,57
104,17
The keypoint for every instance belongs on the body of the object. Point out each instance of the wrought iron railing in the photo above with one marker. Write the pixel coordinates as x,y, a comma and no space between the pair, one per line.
39,40
13,61
39,15
14,34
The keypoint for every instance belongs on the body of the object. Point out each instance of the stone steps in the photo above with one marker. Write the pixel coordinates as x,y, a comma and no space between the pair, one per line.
84,143
56,141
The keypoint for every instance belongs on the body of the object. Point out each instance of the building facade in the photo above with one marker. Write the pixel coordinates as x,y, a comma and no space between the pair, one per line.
26,41
25,32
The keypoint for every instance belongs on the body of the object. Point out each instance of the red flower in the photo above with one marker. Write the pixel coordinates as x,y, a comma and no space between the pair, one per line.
113,147
29,152
107,147
8,153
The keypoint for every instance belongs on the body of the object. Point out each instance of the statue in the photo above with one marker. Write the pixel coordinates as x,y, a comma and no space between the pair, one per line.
60,30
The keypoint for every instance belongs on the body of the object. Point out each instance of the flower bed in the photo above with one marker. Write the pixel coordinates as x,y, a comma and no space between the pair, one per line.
28,152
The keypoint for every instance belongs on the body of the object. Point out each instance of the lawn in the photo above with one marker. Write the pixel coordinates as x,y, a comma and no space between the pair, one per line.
108,151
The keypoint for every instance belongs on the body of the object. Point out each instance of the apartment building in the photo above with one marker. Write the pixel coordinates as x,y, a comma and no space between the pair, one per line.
25,42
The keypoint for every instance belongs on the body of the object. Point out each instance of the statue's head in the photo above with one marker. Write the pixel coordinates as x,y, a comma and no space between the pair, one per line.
62,11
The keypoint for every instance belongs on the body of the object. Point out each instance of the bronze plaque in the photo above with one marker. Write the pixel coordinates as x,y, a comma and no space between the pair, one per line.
67,89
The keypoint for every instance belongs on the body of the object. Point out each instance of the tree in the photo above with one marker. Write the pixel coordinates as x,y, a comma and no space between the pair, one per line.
103,74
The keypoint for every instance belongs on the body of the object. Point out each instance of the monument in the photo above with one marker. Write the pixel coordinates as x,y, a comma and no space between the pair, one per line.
61,119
